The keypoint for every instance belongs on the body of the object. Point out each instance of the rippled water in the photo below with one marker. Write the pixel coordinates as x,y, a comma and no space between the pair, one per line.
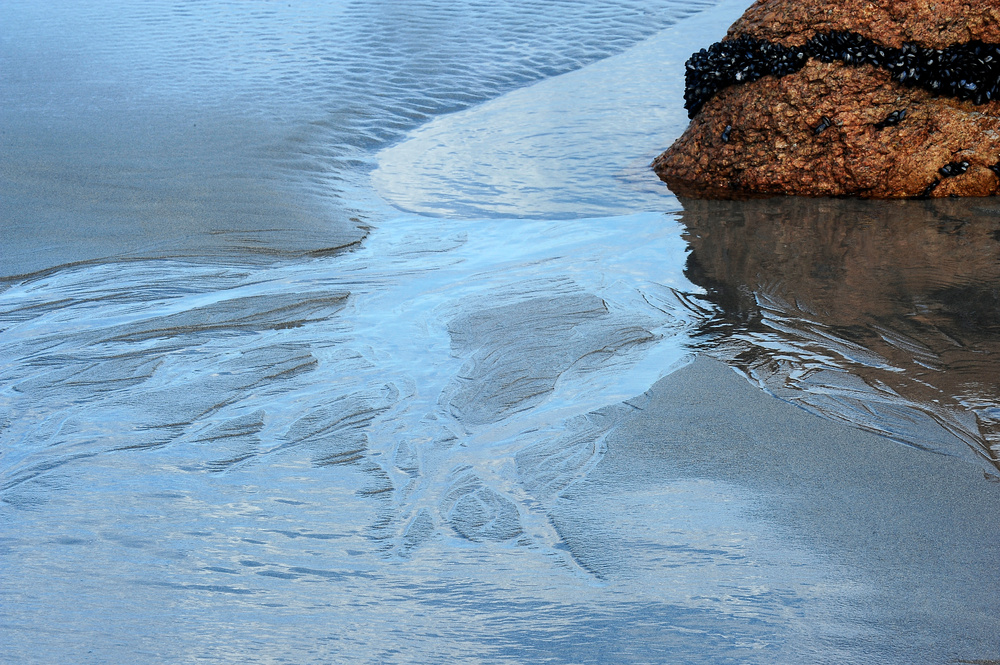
280,107
250,412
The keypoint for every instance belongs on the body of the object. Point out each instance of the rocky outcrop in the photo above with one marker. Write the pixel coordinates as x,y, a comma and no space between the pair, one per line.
873,99
934,24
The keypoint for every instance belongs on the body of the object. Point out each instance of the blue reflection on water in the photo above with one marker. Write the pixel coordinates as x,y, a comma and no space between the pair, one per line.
232,430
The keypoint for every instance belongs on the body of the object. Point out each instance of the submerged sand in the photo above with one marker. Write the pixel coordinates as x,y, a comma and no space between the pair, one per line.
714,522
95,188
897,547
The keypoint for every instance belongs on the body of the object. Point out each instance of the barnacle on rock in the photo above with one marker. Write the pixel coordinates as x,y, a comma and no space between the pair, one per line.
893,118
953,169
926,194
824,124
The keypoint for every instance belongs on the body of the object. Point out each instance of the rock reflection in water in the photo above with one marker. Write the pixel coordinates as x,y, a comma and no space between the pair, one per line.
882,314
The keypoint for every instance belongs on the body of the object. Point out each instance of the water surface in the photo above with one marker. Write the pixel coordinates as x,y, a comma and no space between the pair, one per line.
360,332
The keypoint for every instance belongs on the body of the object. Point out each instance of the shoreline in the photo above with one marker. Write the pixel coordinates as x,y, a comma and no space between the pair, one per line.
79,191
865,530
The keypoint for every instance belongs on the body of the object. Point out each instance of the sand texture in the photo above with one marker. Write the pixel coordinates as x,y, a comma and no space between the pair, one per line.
883,515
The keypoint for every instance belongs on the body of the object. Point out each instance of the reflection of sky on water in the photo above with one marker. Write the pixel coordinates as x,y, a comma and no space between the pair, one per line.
263,117
217,567
452,442
576,145
362,349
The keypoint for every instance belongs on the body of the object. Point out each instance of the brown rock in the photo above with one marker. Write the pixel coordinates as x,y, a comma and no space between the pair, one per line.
934,23
772,147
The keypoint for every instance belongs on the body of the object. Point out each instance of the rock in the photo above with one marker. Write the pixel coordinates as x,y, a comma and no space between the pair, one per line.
844,99
935,24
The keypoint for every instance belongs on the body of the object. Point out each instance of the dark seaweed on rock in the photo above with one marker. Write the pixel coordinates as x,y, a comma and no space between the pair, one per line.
969,72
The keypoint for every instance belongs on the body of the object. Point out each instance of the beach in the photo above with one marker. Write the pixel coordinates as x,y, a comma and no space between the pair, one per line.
353,332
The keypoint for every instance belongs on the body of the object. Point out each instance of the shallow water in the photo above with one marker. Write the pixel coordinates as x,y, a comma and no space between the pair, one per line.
882,314
263,117
251,412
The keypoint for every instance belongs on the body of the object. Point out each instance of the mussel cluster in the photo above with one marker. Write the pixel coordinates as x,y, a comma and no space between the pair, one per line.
969,71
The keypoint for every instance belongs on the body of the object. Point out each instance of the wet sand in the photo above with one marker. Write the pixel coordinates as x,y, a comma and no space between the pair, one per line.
87,190
419,448
917,534
880,314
